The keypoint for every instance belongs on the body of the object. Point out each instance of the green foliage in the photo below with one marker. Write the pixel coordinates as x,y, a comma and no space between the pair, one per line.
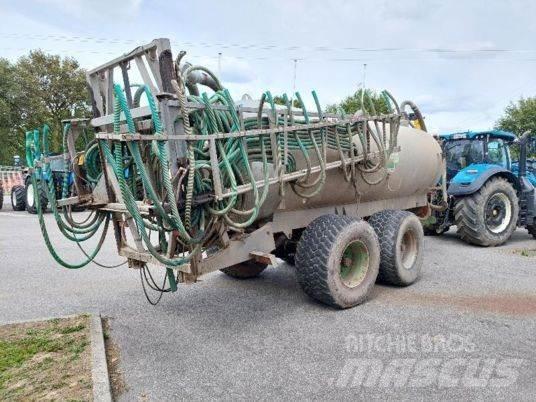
373,102
39,88
519,117
278,100
9,118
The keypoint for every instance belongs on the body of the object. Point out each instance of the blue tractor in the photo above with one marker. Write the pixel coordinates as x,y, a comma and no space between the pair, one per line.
489,194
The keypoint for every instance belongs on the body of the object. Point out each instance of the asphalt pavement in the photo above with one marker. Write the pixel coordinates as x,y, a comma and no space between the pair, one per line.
466,329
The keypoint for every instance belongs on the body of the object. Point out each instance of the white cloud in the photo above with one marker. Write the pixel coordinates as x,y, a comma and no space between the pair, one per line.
233,69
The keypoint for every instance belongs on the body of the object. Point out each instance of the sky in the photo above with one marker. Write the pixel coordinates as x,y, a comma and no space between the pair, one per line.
462,62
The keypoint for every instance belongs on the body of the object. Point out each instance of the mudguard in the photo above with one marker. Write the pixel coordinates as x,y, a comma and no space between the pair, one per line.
470,179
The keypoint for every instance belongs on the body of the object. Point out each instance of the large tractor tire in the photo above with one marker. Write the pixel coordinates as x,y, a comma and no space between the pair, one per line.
31,193
532,230
337,260
489,216
402,246
18,198
245,270
1,196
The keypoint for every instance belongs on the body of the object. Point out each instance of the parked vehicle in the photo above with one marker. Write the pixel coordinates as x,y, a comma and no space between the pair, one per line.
489,194
229,185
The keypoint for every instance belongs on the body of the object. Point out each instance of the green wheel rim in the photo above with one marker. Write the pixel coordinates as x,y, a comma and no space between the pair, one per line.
354,264
409,249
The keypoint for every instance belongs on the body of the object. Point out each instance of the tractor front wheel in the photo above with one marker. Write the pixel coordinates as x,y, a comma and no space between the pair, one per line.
532,230
18,198
489,216
434,230
31,194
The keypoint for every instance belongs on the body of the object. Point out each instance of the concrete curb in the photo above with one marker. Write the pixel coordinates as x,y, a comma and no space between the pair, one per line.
99,368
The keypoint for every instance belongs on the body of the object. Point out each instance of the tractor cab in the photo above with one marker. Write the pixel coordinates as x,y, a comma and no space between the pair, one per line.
470,153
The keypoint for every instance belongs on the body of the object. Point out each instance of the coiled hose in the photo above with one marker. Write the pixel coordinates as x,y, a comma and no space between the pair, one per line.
195,226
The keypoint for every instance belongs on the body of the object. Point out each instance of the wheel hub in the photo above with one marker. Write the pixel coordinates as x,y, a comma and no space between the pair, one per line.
408,249
30,195
354,264
498,213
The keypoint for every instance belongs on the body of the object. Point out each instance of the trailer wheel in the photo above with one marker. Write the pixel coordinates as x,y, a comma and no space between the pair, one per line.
18,198
31,193
489,216
401,243
244,270
337,260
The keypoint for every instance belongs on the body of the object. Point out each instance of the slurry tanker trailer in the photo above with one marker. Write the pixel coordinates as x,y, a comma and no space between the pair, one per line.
192,181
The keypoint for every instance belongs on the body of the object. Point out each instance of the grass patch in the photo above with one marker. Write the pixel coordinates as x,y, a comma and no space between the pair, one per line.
525,252
46,360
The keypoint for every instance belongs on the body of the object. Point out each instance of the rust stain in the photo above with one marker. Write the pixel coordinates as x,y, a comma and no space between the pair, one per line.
514,304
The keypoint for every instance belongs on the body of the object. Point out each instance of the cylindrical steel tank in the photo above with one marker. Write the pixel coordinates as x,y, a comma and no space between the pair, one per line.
417,168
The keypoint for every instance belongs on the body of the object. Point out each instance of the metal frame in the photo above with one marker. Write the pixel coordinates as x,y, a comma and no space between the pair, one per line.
156,69
281,177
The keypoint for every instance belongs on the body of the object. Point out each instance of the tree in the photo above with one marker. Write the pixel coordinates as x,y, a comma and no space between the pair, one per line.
39,88
9,119
279,100
352,103
519,117
50,89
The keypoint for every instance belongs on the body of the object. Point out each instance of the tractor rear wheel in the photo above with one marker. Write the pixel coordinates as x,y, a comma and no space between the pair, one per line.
402,245
31,193
337,260
18,198
489,216
244,270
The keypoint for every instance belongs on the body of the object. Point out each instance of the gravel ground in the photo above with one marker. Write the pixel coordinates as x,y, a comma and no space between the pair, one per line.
464,330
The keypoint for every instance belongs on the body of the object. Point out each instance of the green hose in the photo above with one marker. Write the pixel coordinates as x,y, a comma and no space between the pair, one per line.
38,162
137,164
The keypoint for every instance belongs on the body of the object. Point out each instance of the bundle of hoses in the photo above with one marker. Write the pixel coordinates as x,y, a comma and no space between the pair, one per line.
142,170
76,231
